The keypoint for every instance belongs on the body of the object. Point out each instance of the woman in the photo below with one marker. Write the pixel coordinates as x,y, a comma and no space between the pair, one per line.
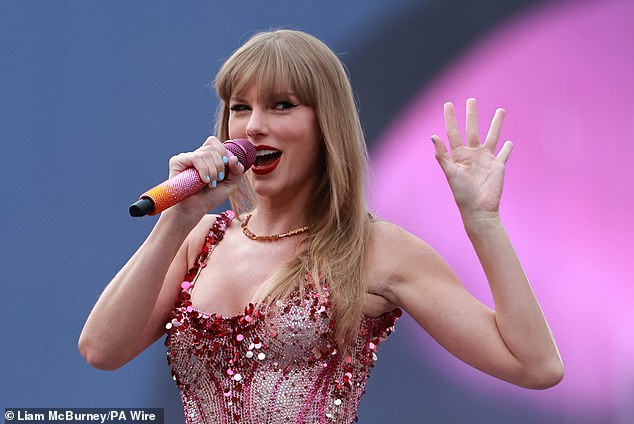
283,304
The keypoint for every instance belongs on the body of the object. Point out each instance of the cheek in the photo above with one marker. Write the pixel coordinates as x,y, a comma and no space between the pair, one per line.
236,129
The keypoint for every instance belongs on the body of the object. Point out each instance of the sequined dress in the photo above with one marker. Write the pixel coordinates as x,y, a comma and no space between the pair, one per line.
279,366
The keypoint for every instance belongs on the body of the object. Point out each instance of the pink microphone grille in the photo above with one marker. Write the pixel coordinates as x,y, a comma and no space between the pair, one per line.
243,150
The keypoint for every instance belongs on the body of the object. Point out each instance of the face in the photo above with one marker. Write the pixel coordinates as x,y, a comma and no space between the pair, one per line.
288,140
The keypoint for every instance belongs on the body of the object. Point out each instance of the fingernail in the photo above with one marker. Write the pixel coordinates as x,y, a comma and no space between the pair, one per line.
225,159
208,178
214,184
221,175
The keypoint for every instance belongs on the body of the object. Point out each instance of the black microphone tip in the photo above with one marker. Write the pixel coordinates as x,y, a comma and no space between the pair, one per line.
142,207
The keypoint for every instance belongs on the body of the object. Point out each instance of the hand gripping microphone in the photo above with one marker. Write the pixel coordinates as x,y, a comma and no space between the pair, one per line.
183,185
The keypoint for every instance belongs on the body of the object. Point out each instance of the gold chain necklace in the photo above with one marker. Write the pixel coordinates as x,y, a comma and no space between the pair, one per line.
272,237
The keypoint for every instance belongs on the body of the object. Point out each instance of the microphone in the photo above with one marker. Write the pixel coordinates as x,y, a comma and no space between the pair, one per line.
183,185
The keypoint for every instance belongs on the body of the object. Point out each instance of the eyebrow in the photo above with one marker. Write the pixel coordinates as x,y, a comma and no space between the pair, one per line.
237,99
273,96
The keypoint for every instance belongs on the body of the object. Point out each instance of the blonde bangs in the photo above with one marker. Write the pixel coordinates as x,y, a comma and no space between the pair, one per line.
273,65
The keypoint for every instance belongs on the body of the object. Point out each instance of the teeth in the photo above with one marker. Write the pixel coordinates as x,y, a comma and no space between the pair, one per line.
266,152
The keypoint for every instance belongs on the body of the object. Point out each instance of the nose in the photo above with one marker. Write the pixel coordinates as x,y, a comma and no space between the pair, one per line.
257,125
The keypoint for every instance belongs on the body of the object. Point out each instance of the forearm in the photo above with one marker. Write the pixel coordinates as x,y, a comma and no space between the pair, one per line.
121,315
518,316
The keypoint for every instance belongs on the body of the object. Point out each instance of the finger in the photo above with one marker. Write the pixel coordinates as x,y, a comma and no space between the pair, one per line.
183,161
442,156
216,165
214,144
471,131
234,167
208,162
179,163
210,141
505,151
215,155
493,136
451,126
207,173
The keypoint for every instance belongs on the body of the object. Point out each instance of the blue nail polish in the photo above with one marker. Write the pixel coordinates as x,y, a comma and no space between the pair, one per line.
208,178
221,175
225,159
214,184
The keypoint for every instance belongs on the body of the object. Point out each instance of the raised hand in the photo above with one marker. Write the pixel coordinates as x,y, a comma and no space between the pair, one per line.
474,172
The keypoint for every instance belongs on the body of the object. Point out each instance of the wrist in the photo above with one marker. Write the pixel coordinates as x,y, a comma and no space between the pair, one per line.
476,223
177,221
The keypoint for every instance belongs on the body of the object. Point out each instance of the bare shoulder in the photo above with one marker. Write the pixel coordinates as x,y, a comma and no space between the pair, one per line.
390,244
196,238
396,257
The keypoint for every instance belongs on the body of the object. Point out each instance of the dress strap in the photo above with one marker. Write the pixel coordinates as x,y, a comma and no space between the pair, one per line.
216,233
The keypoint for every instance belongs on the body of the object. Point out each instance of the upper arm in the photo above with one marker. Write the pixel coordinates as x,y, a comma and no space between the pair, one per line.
417,279
170,288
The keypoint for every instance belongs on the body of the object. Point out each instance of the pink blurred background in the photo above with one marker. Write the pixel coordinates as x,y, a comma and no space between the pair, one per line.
564,74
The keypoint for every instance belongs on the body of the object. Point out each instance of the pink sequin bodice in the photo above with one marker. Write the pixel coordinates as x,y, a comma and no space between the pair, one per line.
278,366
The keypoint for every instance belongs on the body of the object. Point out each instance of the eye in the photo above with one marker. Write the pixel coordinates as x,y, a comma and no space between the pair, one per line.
284,105
238,107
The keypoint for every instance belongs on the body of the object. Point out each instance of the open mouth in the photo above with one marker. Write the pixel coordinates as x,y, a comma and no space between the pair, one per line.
266,160
266,157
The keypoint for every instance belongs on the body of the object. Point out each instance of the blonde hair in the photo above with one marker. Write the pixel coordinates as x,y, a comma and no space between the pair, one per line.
334,250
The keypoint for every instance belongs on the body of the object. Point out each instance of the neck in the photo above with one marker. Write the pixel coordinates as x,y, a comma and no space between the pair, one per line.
282,212
270,219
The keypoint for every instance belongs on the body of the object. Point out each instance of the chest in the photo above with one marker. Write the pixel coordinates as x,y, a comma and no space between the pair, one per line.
236,269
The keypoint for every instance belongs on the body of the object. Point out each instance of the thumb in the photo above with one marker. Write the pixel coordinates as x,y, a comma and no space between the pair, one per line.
442,156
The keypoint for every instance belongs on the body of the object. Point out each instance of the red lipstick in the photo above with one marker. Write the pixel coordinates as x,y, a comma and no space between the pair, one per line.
266,160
